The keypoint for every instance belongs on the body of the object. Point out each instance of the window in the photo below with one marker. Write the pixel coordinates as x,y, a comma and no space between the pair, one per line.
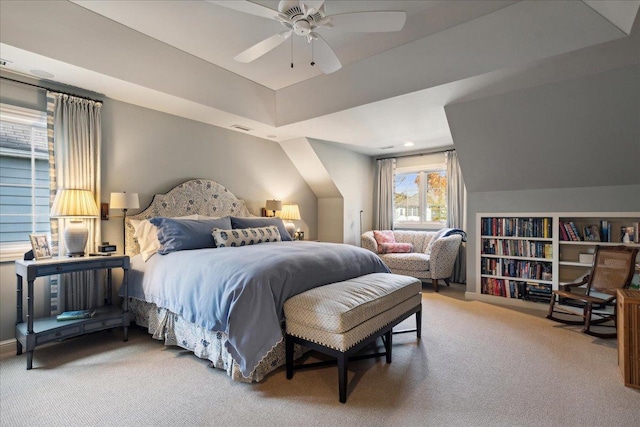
421,197
24,177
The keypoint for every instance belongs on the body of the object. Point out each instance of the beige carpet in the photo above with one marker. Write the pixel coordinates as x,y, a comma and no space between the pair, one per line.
477,365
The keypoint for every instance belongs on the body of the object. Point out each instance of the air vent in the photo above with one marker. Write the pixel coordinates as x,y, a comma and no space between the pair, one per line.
240,127
388,147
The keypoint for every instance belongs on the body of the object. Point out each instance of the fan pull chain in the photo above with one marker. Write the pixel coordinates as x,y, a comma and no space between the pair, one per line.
312,61
291,52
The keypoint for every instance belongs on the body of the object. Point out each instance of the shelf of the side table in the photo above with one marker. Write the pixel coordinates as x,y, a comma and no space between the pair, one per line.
49,329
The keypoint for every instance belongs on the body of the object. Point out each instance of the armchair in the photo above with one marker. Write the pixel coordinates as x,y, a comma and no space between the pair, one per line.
592,301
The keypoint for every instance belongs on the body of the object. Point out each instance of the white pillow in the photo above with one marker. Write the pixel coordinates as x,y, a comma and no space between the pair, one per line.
147,236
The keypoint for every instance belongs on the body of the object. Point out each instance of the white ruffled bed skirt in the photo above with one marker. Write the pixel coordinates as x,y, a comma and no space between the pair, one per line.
167,326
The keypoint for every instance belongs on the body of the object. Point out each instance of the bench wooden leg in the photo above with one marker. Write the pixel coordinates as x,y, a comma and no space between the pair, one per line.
342,377
288,344
419,323
387,345
435,284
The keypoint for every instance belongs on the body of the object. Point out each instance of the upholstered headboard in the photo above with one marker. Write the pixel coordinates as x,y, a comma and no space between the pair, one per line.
196,196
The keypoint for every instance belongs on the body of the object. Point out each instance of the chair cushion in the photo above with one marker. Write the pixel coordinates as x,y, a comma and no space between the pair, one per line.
410,261
395,248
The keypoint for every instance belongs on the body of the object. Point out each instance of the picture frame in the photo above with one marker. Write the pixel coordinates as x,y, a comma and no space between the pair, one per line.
40,246
592,233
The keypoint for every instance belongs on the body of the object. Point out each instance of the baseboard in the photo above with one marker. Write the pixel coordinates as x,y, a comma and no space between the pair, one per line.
8,346
507,302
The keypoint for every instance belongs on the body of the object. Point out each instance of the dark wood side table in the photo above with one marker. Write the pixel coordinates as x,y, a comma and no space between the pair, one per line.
628,318
35,332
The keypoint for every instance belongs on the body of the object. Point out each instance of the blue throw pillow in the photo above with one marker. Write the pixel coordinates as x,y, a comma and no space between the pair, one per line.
256,222
183,234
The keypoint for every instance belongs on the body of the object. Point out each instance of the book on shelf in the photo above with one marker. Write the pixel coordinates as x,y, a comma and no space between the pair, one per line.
76,314
605,231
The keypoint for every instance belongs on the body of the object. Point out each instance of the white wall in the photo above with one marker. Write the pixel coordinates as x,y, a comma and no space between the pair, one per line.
352,173
149,152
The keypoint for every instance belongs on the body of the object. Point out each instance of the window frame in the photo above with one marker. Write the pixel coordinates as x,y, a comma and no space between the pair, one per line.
422,195
34,118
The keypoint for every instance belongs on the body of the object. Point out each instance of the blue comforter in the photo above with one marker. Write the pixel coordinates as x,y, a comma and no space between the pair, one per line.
242,290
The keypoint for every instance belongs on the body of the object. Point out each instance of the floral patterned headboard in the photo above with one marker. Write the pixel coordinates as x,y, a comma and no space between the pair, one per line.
196,196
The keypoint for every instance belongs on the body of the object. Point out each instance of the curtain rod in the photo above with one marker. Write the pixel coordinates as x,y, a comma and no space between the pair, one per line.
48,89
424,153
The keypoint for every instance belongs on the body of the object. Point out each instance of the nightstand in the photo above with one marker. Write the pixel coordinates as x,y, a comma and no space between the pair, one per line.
35,332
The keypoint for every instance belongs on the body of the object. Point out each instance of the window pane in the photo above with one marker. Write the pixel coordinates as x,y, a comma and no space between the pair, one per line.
407,198
437,196
24,174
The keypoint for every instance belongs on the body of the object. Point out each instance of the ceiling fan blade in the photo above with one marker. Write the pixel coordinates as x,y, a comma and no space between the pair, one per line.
324,56
248,7
370,22
259,49
307,5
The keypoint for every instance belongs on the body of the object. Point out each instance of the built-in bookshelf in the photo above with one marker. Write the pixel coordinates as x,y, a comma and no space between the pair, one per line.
522,257
516,257
589,230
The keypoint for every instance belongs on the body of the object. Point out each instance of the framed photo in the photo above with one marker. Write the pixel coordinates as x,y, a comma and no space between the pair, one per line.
40,246
592,233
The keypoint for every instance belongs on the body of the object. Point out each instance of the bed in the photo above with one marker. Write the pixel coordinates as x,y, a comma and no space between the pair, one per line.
225,303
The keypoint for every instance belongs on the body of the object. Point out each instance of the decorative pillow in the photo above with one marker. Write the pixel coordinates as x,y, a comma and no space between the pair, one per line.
245,236
147,235
382,237
395,248
184,234
254,222
435,237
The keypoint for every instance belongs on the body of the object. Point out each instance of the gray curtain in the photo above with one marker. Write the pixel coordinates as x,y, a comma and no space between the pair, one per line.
384,188
456,211
75,134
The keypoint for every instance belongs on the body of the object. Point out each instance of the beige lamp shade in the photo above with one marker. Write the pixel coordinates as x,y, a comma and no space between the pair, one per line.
290,212
124,201
74,204
273,205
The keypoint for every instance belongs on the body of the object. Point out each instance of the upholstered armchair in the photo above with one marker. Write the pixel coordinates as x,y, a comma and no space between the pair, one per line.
433,254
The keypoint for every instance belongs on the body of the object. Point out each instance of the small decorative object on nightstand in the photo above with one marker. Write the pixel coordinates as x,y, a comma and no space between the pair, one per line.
290,213
76,205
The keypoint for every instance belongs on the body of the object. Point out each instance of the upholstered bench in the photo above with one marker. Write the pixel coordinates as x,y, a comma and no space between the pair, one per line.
342,318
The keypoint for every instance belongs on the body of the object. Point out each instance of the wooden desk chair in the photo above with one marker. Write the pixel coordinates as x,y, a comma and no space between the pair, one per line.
593,299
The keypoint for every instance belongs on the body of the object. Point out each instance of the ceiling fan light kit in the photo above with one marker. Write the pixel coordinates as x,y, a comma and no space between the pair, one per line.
303,17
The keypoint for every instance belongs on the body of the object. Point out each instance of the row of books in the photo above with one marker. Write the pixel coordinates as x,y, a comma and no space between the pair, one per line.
517,227
598,233
540,292
539,270
523,248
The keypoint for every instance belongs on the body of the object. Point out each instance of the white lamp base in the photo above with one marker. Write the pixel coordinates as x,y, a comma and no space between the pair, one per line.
76,235
290,227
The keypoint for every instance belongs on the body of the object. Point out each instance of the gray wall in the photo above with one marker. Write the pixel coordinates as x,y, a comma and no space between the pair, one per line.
149,152
583,132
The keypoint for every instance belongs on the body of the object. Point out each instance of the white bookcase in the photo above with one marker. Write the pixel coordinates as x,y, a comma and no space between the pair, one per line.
522,257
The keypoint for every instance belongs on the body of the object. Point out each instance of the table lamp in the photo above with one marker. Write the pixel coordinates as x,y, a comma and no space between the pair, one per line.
290,213
273,206
75,205
124,201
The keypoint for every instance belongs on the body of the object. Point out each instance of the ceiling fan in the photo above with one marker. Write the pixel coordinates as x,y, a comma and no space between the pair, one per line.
303,18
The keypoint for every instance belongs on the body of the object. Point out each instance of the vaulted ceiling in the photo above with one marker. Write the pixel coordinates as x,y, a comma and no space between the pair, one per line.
177,57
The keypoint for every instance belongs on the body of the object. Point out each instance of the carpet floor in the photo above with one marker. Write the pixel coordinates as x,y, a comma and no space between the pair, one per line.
476,365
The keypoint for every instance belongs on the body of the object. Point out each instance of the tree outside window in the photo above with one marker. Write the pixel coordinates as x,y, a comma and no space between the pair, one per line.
421,198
